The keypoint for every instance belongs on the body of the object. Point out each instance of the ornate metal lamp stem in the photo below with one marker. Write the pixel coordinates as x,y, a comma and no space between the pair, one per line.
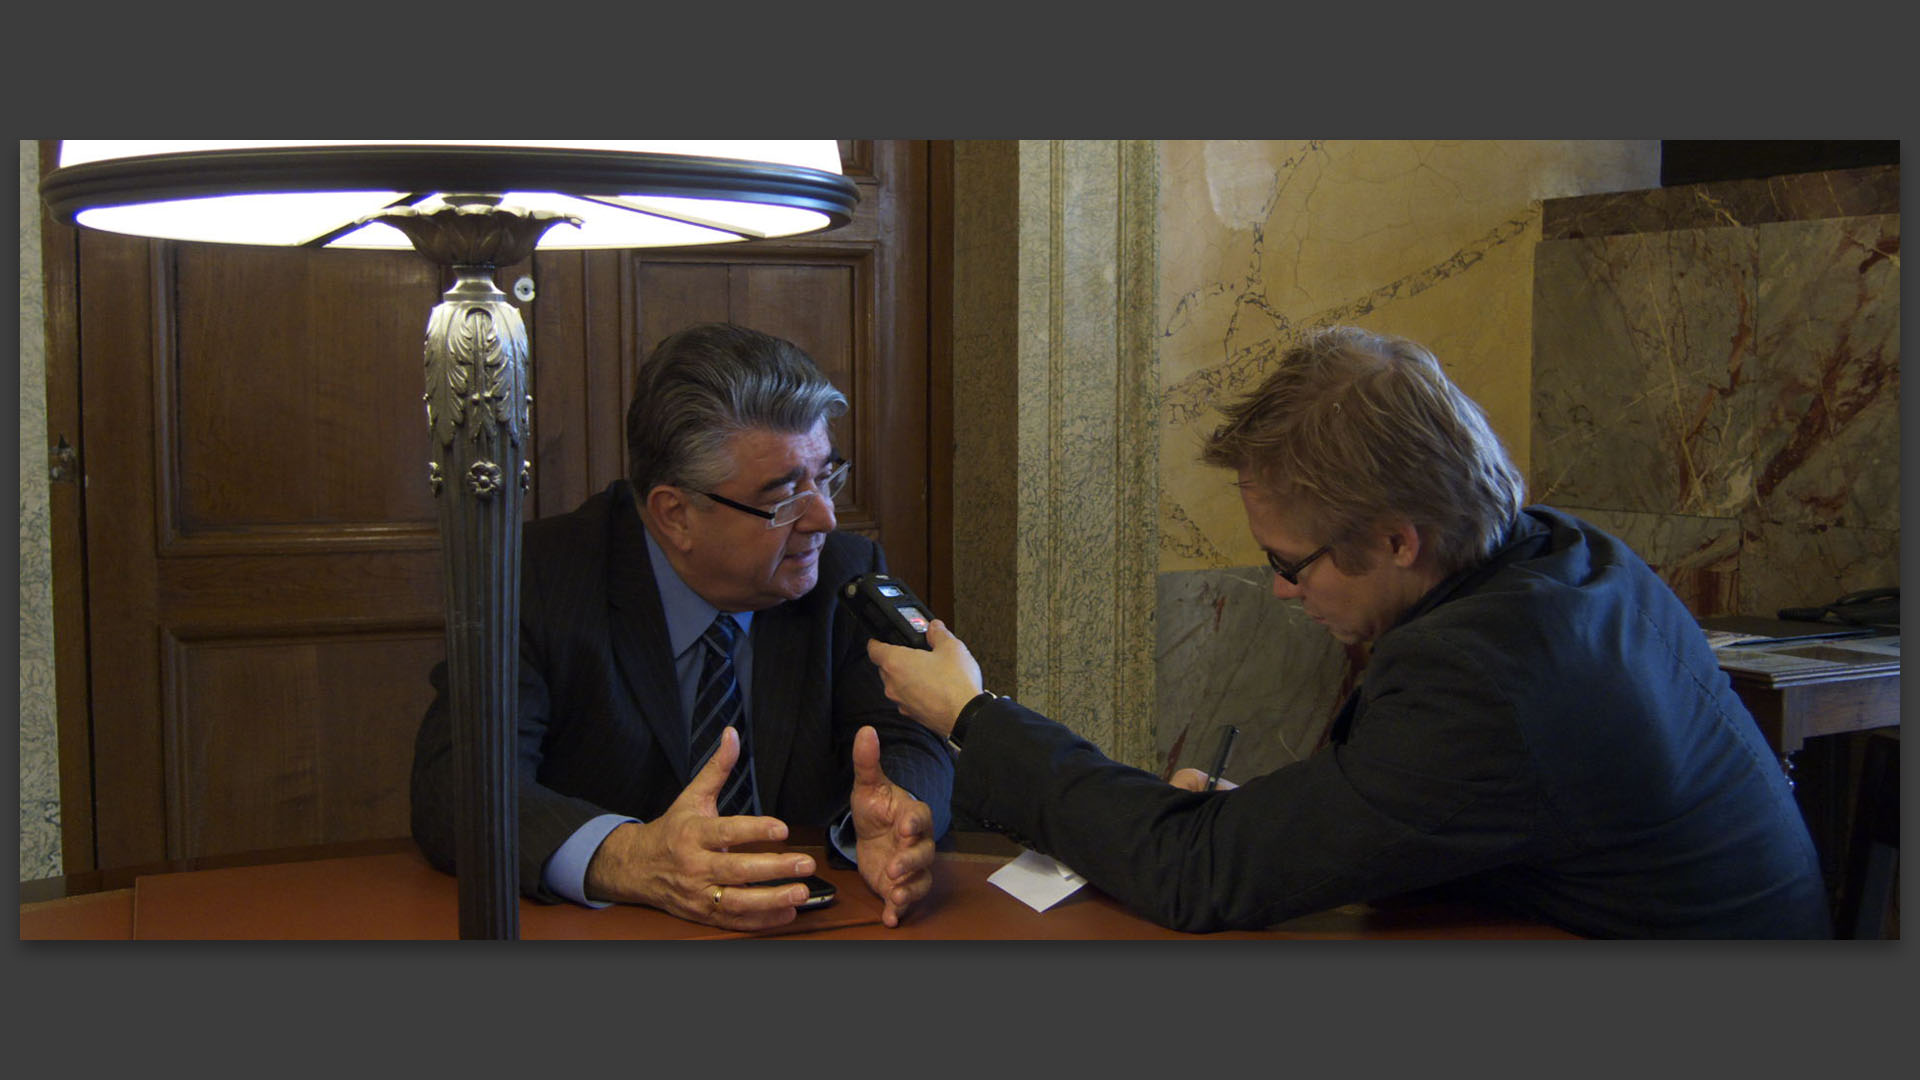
478,412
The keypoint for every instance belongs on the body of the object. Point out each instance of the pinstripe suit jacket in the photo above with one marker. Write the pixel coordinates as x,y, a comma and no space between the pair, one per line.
600,724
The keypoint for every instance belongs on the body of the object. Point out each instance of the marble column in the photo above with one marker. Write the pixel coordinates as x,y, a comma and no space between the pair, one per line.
40,855
1055,476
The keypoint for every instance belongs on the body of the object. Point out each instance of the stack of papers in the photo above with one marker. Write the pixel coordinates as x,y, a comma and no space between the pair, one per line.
1789,661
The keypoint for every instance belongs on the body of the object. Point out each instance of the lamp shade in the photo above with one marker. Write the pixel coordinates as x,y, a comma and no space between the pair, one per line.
317,193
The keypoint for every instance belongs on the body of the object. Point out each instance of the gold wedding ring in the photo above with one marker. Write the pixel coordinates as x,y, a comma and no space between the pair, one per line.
717,890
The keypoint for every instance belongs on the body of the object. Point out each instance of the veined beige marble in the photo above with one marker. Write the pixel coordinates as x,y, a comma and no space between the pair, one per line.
1726,399
1791,565
1640,355
1261,241
1827,390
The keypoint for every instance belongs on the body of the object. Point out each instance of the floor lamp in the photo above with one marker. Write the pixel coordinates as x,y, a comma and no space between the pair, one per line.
471,207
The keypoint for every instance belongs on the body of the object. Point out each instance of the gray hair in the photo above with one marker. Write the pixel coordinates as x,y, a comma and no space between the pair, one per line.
707,383
1355,428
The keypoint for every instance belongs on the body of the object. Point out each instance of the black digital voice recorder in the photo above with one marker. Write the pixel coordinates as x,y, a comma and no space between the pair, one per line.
888,609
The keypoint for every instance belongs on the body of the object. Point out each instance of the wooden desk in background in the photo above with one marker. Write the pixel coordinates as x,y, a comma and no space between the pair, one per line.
1803,718
391,893
1789,715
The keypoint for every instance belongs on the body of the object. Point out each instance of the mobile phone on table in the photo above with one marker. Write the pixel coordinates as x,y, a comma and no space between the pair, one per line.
820,891
888,609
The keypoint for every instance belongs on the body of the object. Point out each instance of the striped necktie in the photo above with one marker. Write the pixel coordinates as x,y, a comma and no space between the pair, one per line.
716,707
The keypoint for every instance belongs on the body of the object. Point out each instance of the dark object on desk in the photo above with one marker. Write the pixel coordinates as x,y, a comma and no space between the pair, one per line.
1869,893
1869,607
1783,637
1760,630
820,891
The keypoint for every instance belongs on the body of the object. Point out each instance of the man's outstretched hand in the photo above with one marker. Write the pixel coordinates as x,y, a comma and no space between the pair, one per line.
679,861
893,833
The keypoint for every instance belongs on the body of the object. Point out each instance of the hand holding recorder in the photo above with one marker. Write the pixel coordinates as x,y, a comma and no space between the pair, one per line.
927,671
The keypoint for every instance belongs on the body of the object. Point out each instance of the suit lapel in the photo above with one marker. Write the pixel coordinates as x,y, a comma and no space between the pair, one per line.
780,668
639,632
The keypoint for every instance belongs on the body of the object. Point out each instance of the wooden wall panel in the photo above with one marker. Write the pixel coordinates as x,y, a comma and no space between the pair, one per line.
115,318
300,739
295,378
672,294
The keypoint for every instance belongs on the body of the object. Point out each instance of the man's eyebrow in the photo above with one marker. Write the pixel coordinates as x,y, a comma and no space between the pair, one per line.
797,473
791,476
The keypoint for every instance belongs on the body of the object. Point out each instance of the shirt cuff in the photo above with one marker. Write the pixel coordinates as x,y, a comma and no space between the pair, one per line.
841,835
566,869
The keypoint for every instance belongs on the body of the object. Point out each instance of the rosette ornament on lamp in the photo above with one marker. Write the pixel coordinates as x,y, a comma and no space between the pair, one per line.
472,207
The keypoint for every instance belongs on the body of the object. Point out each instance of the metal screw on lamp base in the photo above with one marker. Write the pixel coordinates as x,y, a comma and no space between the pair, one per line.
478,409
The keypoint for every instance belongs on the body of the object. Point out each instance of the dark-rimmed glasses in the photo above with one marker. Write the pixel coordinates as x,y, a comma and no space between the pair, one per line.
1291,571
788,510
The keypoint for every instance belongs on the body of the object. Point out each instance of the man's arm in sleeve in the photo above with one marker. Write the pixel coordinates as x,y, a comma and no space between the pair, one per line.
548,819
566,870
1437,786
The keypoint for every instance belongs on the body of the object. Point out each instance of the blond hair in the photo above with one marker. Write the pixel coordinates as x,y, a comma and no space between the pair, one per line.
1354,429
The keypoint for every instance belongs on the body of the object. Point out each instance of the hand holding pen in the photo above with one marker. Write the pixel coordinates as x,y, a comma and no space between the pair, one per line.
1195,780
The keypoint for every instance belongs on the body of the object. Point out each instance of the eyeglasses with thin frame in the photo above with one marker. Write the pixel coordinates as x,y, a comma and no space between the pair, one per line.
788,510
1291,571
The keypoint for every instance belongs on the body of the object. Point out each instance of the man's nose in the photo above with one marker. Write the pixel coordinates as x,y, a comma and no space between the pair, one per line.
818,516
1284,589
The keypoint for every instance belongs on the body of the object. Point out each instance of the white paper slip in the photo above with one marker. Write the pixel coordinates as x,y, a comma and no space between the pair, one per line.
1037,880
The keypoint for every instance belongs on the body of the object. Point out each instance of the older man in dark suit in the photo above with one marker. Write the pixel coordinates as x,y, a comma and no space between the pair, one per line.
687,681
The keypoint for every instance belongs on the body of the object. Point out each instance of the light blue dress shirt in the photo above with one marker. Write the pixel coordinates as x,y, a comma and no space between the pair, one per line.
688,617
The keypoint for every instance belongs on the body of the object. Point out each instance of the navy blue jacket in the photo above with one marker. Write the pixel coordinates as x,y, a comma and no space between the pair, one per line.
1547,731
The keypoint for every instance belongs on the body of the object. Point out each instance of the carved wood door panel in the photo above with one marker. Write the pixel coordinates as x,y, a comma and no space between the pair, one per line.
263,579
262,551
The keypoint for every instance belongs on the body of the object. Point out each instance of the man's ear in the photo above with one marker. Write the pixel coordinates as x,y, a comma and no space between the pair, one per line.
1403,543
672,515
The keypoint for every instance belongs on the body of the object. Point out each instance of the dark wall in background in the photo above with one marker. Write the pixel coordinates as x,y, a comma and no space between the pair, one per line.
1695,161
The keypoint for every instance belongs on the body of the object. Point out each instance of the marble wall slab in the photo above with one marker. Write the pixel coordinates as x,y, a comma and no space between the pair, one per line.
1263,241
1246,659
1790,565
1826,384
1794,197
1639,344
1260,242
1725,394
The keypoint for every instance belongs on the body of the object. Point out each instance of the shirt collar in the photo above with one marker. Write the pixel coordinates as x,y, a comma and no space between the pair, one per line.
688,615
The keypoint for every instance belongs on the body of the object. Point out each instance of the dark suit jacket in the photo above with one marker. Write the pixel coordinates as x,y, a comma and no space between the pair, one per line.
1548,731
601,728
